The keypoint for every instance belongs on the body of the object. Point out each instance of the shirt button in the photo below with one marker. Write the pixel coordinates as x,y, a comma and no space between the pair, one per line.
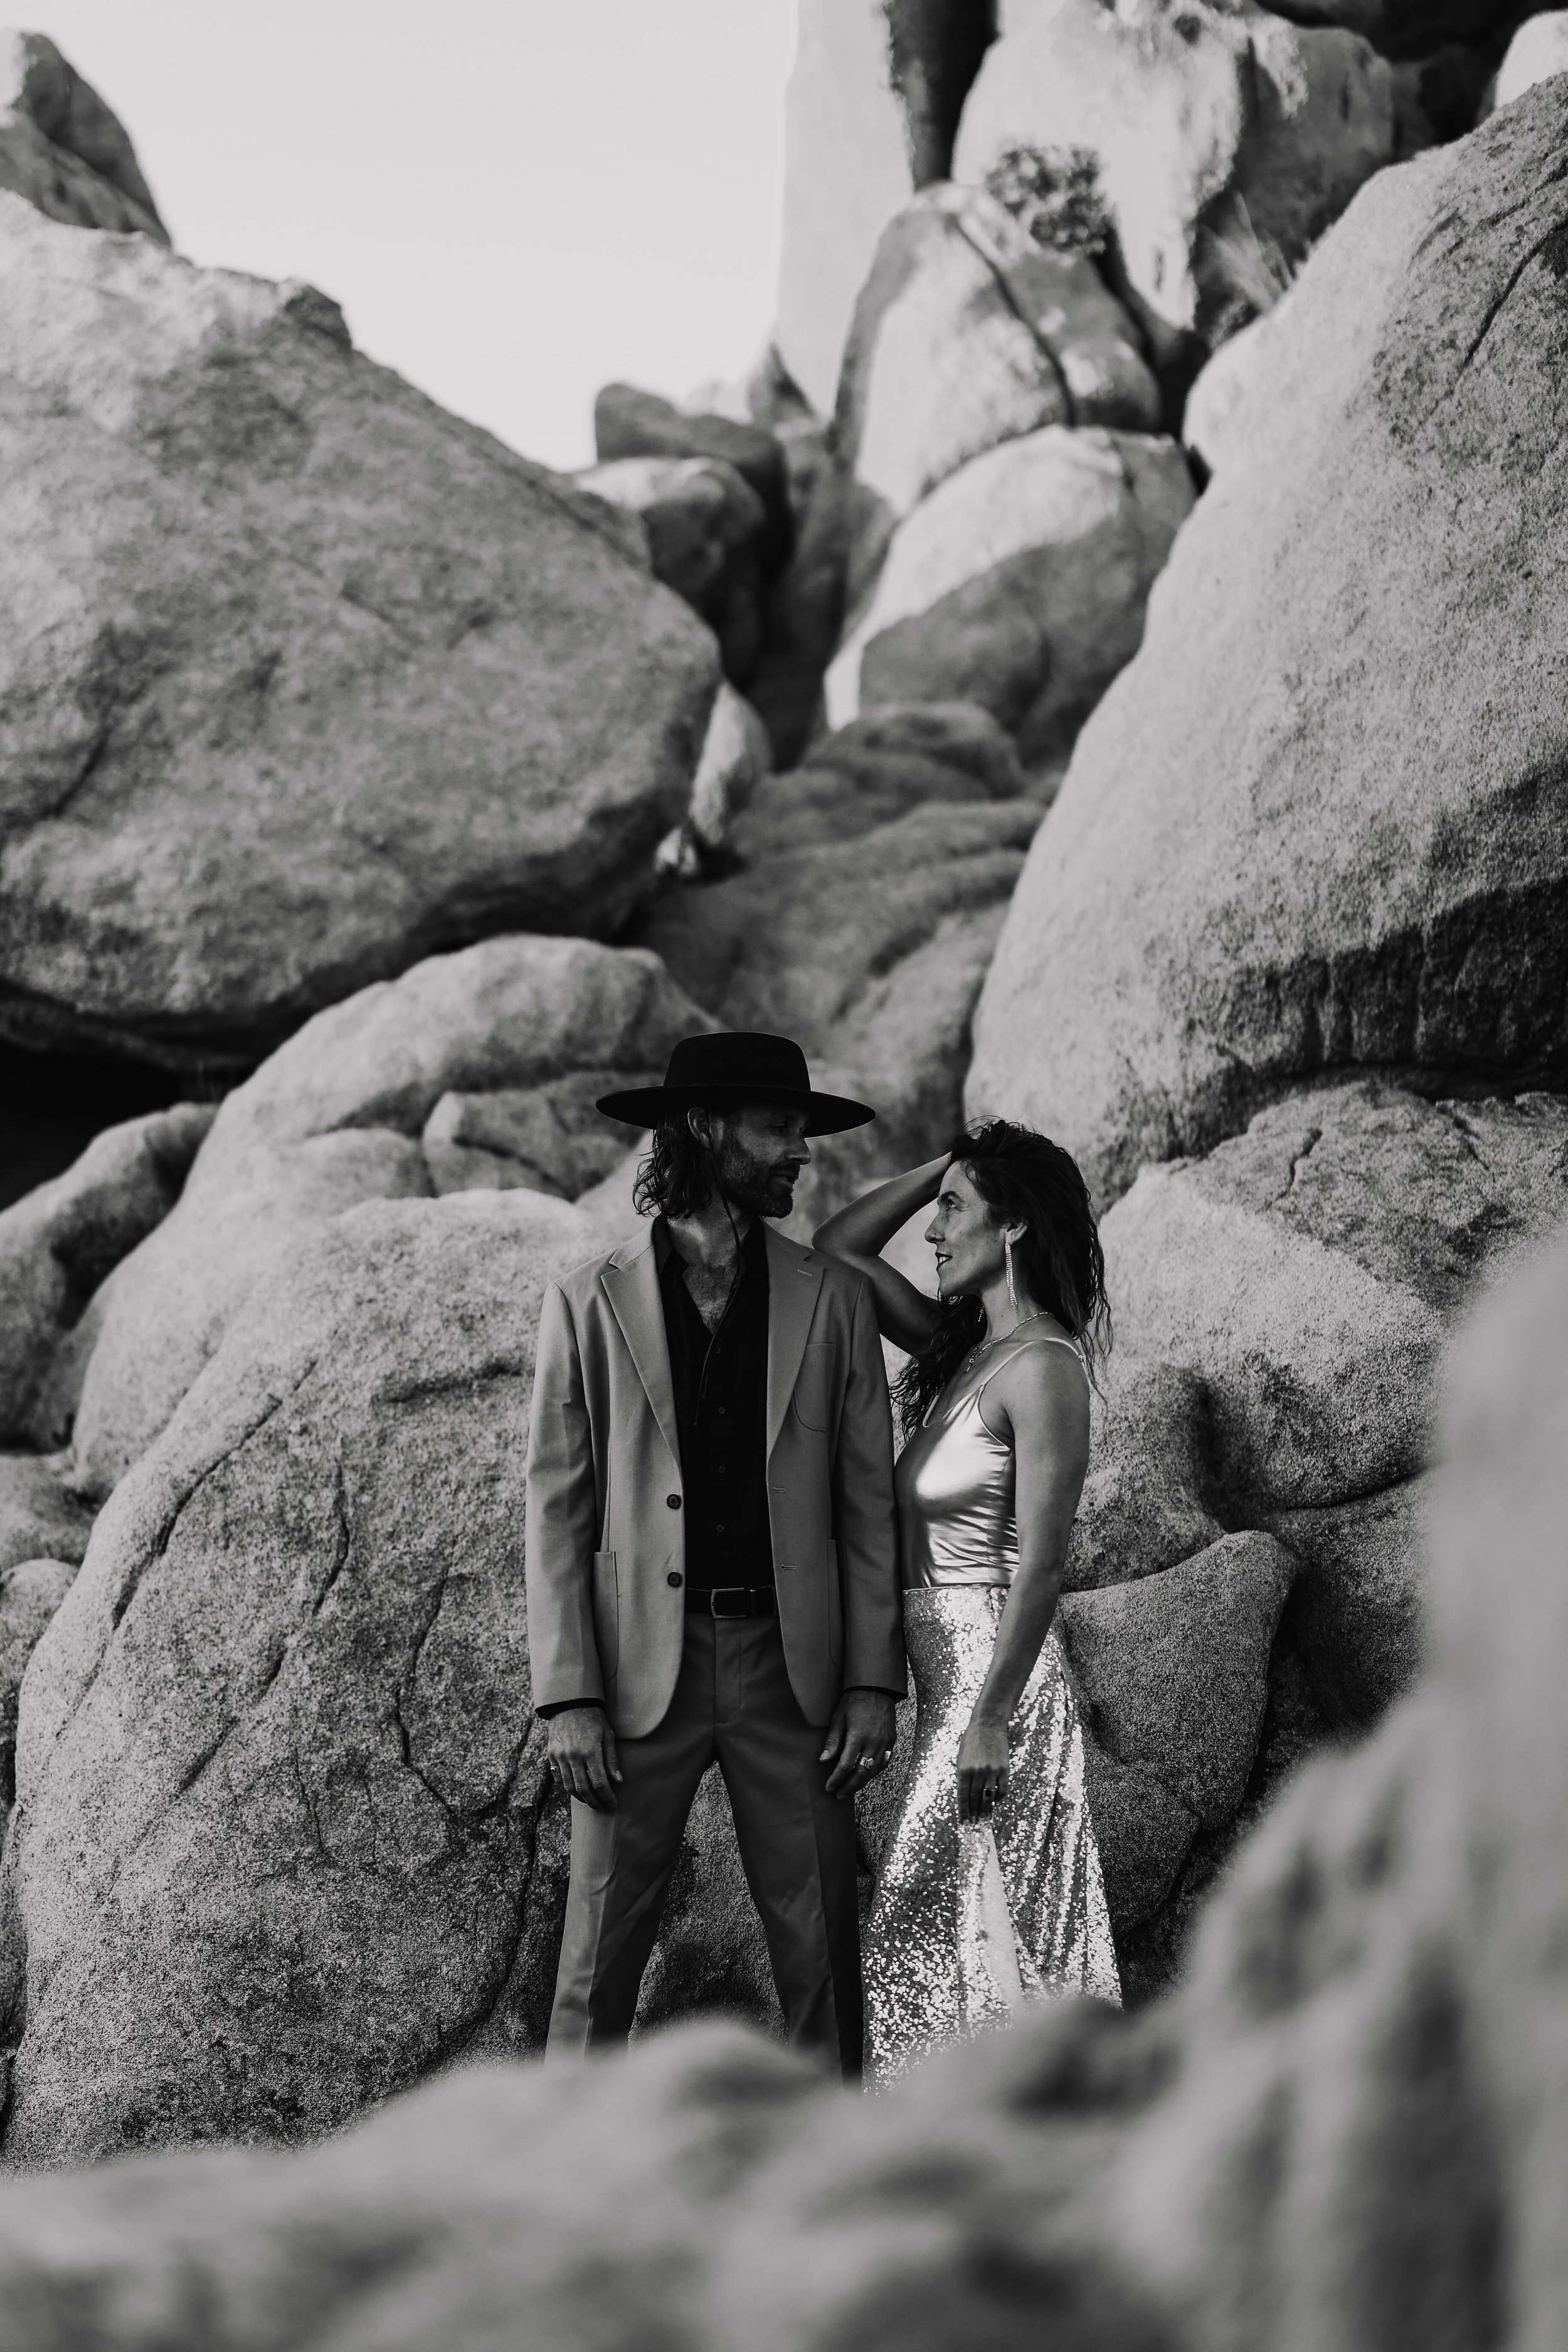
674,1577
674,1502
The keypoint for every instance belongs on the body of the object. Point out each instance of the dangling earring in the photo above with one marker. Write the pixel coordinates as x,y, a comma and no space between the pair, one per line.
1007,1253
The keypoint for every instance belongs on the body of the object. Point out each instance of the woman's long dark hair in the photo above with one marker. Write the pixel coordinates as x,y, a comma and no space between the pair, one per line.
1024,1179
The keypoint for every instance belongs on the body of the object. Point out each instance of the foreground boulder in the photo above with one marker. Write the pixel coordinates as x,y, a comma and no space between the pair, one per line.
61,146
1227,140
301,677
1343,2130
473,1070
1323,819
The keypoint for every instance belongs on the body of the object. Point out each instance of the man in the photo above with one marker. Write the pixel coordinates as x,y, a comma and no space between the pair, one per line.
712,1558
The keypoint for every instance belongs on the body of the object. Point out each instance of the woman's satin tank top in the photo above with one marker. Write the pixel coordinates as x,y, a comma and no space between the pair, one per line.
955,1484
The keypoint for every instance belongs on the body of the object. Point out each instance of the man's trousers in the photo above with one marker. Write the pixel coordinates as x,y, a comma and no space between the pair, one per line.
732,1705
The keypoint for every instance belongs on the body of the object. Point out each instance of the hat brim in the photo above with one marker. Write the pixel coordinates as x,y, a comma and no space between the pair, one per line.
648,1106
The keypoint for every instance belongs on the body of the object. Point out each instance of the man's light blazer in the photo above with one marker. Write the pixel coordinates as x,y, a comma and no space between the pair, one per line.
607,1523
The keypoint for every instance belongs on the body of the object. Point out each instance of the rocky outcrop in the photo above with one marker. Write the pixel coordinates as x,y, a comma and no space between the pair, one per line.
59,1243
62,149
301,677
473,1070
862,923
1020,584
1342,2130
1227,140
1321,822
30,1593
968,334
705,526
631,423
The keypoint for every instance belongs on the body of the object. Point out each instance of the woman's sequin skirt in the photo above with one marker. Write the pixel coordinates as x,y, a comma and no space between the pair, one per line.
971,1924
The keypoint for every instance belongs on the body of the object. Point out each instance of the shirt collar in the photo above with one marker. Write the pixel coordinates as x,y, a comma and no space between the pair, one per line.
753,1249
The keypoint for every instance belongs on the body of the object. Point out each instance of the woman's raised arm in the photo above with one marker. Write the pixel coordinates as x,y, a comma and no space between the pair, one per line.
857,1235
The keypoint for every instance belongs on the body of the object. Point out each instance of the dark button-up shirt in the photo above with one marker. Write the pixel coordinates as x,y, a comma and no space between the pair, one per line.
721,1383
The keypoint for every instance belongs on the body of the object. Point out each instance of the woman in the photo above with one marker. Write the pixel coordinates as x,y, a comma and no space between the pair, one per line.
990,1894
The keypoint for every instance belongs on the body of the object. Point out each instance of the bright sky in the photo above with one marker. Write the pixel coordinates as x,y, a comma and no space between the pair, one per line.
515,200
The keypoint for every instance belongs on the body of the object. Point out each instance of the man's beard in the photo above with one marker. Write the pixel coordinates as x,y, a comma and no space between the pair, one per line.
765,1187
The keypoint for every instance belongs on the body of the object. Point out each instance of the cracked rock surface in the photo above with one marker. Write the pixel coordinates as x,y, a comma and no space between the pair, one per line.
279,1796
1320,822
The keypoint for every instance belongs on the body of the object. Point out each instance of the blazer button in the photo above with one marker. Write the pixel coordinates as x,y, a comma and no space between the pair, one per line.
674,1502
674,1577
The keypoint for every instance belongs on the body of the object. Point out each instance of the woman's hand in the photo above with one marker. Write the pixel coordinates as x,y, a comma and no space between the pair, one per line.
982,1760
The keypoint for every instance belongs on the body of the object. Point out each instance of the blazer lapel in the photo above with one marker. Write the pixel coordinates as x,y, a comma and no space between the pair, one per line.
632,1289
794,1278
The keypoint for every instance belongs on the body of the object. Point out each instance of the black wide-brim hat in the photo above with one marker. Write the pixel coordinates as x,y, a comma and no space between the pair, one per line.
738,1065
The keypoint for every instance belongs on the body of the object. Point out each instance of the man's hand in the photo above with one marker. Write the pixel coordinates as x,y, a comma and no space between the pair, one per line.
582,1756
860,1737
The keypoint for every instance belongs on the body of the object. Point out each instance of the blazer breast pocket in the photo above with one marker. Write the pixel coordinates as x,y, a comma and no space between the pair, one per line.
815,1385
607,1613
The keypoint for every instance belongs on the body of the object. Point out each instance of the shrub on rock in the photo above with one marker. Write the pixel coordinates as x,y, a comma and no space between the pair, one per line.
300,677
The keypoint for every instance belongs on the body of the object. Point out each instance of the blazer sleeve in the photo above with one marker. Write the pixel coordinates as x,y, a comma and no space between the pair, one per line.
864,1516
562,1518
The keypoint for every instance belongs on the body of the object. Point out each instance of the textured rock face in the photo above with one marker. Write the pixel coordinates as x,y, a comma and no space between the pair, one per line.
1020,584
863,924
704,525
470,1070
60,1242
1223,134
62,149
1320,821
300,677
967,334
30,1593
40,1518
1305,1274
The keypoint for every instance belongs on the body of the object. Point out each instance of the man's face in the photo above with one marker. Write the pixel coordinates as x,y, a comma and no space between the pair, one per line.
760,1149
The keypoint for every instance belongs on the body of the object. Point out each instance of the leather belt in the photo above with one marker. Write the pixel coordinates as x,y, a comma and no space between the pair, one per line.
733,1601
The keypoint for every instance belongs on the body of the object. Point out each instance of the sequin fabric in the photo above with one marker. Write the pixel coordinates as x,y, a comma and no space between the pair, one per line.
969,1924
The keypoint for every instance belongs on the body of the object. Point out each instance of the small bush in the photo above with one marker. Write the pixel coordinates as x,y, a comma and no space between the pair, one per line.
1054,193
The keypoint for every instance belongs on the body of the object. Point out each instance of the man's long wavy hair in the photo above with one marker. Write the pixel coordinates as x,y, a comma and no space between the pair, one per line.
677,1176
1023,1179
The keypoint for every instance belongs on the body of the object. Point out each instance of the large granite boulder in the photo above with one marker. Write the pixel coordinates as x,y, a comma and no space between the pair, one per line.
285,1840
1020,584
1227,140
300,676
476,1070
968,334
1322,819
40,1517
61,146
60,1242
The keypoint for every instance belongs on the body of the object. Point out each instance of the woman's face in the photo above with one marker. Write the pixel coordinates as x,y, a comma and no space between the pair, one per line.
966,1236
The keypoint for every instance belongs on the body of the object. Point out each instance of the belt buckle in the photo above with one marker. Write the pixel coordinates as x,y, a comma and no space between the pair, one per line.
718,1589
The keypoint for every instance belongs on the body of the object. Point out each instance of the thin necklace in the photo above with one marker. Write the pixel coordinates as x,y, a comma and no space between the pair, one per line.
981,1345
